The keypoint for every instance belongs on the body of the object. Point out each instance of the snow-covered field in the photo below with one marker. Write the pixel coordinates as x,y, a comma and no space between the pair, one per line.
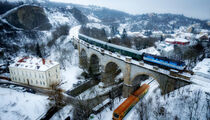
16,105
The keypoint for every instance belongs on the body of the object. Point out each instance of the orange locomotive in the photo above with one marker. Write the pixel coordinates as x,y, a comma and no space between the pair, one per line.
127,105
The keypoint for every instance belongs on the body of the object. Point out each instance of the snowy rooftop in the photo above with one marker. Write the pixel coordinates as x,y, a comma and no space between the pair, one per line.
150,50
136,34
177,40
203,68
165,46
33,63
198,36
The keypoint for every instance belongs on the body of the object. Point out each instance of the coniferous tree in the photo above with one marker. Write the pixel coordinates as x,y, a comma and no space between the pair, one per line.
38,51
124,34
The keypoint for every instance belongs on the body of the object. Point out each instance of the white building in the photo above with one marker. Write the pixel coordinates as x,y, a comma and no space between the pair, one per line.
165,48
35,71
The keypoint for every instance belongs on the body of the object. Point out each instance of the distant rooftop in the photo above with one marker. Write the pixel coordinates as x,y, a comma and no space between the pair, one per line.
203,68
33,63
150,50
177,41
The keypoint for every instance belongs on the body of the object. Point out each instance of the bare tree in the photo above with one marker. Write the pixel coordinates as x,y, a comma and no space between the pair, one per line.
56,96
81,111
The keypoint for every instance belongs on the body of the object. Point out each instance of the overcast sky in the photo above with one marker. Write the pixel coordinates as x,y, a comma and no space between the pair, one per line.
191,8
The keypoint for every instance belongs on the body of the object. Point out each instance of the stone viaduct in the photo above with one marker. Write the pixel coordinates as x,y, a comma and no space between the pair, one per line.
99,61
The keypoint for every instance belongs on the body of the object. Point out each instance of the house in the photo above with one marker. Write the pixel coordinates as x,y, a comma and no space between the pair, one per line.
35,71
178,41
157,34
203,39
164,48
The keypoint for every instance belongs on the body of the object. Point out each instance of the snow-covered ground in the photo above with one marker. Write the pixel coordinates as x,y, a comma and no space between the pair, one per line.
16,105
74,31
94,91
99,26
70,77
57,18
63,113
93,18
150,50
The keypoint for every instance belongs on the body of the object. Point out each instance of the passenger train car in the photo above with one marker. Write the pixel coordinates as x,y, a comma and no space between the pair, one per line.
130,102
135,54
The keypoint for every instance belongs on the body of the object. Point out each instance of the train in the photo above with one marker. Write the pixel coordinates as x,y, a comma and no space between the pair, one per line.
121,111
135,54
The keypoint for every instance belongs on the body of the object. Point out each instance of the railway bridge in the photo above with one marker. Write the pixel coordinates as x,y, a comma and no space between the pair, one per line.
111,65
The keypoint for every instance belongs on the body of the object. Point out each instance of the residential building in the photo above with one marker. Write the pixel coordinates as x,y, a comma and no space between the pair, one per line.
179,41
35,71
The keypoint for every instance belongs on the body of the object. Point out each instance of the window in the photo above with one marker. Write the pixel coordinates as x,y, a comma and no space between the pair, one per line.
36,82
40,82
56,76
43,83
19,79
56,70
32,81
49,74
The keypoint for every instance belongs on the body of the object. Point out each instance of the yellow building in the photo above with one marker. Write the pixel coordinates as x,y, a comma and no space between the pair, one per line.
35,71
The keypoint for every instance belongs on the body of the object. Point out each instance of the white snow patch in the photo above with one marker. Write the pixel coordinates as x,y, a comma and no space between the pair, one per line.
18,105
74,31
99,26
70,77
94,19
63,113
94,91
150,50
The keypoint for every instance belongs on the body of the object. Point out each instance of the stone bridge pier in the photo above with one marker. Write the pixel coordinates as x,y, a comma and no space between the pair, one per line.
111,65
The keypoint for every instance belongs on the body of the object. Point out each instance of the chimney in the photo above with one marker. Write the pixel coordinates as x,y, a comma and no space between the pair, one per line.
22,60
43,61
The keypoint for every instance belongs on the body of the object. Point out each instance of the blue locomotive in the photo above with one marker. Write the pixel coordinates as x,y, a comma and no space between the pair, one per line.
163,61
135,54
